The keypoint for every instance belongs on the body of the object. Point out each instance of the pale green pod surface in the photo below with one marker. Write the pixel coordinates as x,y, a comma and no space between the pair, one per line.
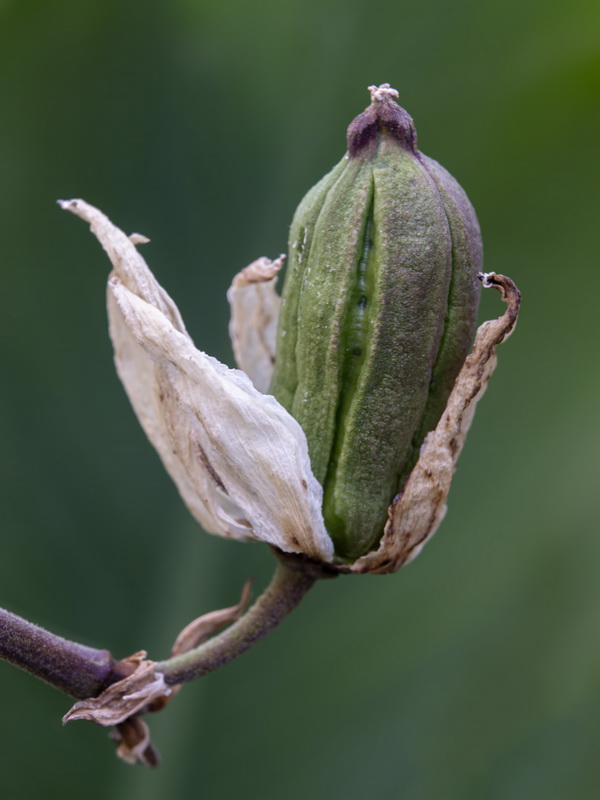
378,314
300,242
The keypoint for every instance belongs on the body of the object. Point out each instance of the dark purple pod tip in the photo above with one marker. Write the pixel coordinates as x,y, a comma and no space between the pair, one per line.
384,114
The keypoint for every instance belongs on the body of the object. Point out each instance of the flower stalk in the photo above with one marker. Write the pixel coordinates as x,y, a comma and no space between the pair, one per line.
287,588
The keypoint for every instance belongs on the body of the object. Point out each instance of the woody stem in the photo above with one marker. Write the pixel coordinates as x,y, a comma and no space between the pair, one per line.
69,666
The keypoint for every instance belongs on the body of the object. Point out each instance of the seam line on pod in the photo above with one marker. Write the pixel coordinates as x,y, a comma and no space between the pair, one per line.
357,326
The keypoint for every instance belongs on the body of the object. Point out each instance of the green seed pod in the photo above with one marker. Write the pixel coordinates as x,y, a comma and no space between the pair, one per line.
378,314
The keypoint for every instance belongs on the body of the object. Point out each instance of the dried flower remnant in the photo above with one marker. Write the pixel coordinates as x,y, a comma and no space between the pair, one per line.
120,706
370,358
196,411
348,468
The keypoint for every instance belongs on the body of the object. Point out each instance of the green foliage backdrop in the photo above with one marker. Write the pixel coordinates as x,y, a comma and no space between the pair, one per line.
473,673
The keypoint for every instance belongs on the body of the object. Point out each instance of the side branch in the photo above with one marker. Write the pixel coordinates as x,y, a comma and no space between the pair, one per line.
151,685
286,590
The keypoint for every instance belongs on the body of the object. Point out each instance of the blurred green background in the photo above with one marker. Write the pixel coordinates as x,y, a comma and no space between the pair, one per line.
473,673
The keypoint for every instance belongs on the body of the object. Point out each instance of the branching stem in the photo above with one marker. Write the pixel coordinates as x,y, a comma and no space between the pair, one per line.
84,672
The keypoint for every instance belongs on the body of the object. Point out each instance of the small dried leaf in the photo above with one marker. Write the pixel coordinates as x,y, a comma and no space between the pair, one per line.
122,699
134,745
254,313
197,632
201,628
418,510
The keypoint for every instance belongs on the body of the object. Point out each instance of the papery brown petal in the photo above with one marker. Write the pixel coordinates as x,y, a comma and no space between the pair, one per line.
134,745
419,509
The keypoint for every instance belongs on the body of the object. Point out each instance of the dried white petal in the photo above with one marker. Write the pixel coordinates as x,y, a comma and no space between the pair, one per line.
239,460
254,313
419,509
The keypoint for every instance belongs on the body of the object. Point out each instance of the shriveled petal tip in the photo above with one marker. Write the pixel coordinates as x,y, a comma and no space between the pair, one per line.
128,264
418,510
255,308
239,460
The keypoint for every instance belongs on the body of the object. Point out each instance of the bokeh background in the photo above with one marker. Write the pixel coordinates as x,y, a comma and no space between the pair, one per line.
473,673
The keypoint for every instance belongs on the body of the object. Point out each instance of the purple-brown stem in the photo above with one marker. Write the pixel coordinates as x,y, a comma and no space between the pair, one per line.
71,667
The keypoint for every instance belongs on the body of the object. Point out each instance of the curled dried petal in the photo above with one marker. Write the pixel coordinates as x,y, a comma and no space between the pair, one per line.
417,512
201,628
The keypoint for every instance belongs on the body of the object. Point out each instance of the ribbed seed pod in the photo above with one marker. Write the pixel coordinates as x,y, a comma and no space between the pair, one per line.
378,314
